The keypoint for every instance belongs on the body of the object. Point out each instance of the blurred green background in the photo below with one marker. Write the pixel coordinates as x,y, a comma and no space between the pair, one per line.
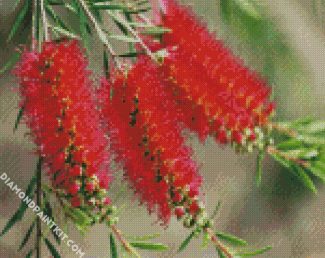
285,41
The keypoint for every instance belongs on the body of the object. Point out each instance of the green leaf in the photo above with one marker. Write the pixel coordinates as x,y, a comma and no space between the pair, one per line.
113,247
130,54
56,18
314,127
124,38
282,161
186,242
289,145
259,167
110,7
83,25
249,8
19,20
57,2
64,32
29,254
149,246
231,239
27,236
14,219
253,253
52,249
220,254
19,116
143,10
215,211
106,63
155,31
304,178
49,212
144,238
21,210
317,172
11,62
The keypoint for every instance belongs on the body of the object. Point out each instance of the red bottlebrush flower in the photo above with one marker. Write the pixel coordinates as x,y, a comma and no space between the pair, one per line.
179,212
177,197
90,187
194,207
213,88
75,202
107,201
147,138
74,188
60,110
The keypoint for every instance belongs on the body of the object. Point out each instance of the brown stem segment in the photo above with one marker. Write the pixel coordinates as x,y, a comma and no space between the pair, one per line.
125,244
217,243
284,130
273,150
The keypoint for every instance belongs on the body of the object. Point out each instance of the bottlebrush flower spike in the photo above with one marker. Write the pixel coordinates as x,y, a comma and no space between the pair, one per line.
224,97
60,110
145,134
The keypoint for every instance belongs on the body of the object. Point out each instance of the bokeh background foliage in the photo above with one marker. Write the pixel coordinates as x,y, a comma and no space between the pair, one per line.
282,39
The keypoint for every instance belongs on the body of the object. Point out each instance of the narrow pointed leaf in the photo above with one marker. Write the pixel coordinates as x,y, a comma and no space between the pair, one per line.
216,209
52,249
124,38
64,32
149,246
49,212
21,210
19,116
144,238
19,20
231,239
29,254
27,236
304,178
130,54
11,62
220,254
318,172
253,253
56,18
110,6
186,242
113,247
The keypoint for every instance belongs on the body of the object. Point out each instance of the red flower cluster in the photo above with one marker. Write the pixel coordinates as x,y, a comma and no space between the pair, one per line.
60,111
146,137
216,93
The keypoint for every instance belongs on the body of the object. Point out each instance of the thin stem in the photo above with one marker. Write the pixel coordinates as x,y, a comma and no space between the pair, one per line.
34,9
38,202
217,243
99,30
284,130
121,20
44,21
273,150
125,244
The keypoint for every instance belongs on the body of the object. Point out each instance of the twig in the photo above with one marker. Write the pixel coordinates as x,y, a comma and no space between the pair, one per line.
34,9
284,130
120,19
273,150
217,243
100,31
125,244
44,21
38,202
